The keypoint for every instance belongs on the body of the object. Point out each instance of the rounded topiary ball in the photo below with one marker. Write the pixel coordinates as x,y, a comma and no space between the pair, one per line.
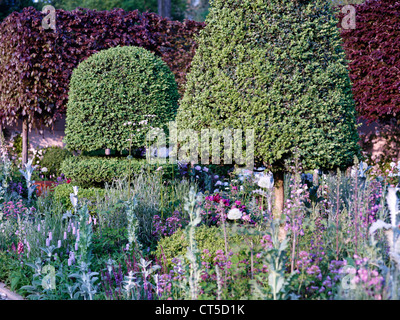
119,94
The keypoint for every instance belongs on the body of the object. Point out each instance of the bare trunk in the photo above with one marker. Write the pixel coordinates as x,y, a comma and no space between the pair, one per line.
24,141
279,200
279,194
164,8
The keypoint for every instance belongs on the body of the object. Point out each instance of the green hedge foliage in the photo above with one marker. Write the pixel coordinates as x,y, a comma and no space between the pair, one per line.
62,193
52,159
96,171
277,67
210,238
114,87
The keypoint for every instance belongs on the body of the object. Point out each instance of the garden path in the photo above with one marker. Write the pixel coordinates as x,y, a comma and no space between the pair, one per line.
6,294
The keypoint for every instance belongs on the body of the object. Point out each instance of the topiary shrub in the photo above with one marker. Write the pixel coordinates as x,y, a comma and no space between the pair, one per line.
96,171
210,238
62,193
52,159
277,67
114,87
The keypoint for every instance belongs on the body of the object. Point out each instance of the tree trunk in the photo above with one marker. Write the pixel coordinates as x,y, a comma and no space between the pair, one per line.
279,193
164,8
24,141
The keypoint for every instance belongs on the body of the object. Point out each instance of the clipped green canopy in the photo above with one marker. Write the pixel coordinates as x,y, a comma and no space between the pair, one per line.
122,85
276,66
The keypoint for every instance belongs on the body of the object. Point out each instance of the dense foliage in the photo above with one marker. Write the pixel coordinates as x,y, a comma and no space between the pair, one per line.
96,171
277,67
88,196
52,159
115,87
36,64
372,49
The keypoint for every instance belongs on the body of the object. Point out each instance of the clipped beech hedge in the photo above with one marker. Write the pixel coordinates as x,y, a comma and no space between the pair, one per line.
373,52
36,64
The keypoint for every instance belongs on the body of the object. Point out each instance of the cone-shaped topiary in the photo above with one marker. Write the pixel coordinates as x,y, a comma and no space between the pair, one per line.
276,66
117,86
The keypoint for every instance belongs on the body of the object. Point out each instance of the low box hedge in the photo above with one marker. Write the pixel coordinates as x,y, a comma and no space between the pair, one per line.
96,171
89,195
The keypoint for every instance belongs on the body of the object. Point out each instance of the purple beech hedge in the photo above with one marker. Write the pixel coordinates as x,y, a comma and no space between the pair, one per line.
36,64
373,51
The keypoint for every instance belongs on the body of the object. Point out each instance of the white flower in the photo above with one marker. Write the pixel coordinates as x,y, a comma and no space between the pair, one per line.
44,169
198,168
234,214
218,183
159,169
226,184
75,188
205,169
266,181
216,190
74,199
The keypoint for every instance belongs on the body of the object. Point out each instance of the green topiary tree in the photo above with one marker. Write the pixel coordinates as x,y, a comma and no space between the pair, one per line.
276,66
114,87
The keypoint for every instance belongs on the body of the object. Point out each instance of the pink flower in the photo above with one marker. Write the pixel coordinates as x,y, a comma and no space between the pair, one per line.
20,248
